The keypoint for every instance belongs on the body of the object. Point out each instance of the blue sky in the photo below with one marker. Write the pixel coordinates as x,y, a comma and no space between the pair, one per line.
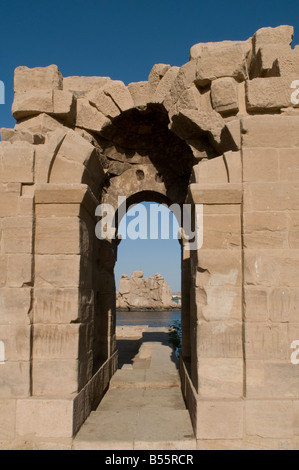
123,39
162,255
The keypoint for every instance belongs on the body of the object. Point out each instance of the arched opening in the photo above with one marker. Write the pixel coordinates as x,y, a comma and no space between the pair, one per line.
147,272
157,207
145,161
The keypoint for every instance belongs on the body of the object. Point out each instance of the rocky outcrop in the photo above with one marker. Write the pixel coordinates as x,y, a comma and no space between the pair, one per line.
140,292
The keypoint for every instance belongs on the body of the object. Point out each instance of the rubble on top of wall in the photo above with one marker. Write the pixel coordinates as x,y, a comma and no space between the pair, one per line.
203,100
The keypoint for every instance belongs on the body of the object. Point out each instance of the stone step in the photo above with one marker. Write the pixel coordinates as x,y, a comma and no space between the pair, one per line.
145,378
143,408
145,428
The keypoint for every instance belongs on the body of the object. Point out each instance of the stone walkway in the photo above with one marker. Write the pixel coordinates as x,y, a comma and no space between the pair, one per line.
143,408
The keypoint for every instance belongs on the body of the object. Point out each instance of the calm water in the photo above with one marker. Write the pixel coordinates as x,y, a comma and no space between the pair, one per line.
164,318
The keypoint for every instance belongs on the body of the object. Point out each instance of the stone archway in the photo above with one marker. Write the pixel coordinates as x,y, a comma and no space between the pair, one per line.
204,133
99,140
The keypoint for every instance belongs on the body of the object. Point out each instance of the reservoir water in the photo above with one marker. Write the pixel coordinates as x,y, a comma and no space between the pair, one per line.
163,318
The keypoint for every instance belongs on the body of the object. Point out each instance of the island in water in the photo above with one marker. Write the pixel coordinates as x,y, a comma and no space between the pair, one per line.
145,293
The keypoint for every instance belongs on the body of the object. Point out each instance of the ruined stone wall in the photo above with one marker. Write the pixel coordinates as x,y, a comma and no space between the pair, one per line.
222,131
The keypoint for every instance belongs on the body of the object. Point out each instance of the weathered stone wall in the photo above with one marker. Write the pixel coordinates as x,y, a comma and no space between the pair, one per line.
222,131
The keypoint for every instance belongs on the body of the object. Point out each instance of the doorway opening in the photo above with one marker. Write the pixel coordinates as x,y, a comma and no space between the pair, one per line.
148,278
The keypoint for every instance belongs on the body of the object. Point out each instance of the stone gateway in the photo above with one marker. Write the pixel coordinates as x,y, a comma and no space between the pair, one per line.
221,131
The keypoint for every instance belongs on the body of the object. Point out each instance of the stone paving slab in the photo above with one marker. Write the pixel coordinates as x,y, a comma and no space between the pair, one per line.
144,407
161,429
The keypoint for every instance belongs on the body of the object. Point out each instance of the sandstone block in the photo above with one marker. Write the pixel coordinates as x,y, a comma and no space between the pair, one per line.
190,123
269,419
265,62
57,271
12,136
16,340
222,209
271,267
56,341
234,168
219,303
15,305
185,77
62,306
294,229
284,304
220,420
47,375
82,85
60,210
41,124
16,163
63,102
296,423
120,95
164,85
287,64
224,59
219,339
190,99
256,304
103,102
265,230
8,419
266,341
15,379
270,379
224,95
26,204
249,443
289,164
45,418
260,164
3,270
65,170
38,78
64,194
17,234
268,196
156,74
9,199
60,235
32,102
140,93
19,270
270,131
233,130
218,268
220,378
281,35
45,154
215,193
268,94
210,172
89,117
221,231
74,152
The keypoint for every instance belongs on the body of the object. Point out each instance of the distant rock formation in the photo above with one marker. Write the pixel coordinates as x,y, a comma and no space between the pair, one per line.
145,293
